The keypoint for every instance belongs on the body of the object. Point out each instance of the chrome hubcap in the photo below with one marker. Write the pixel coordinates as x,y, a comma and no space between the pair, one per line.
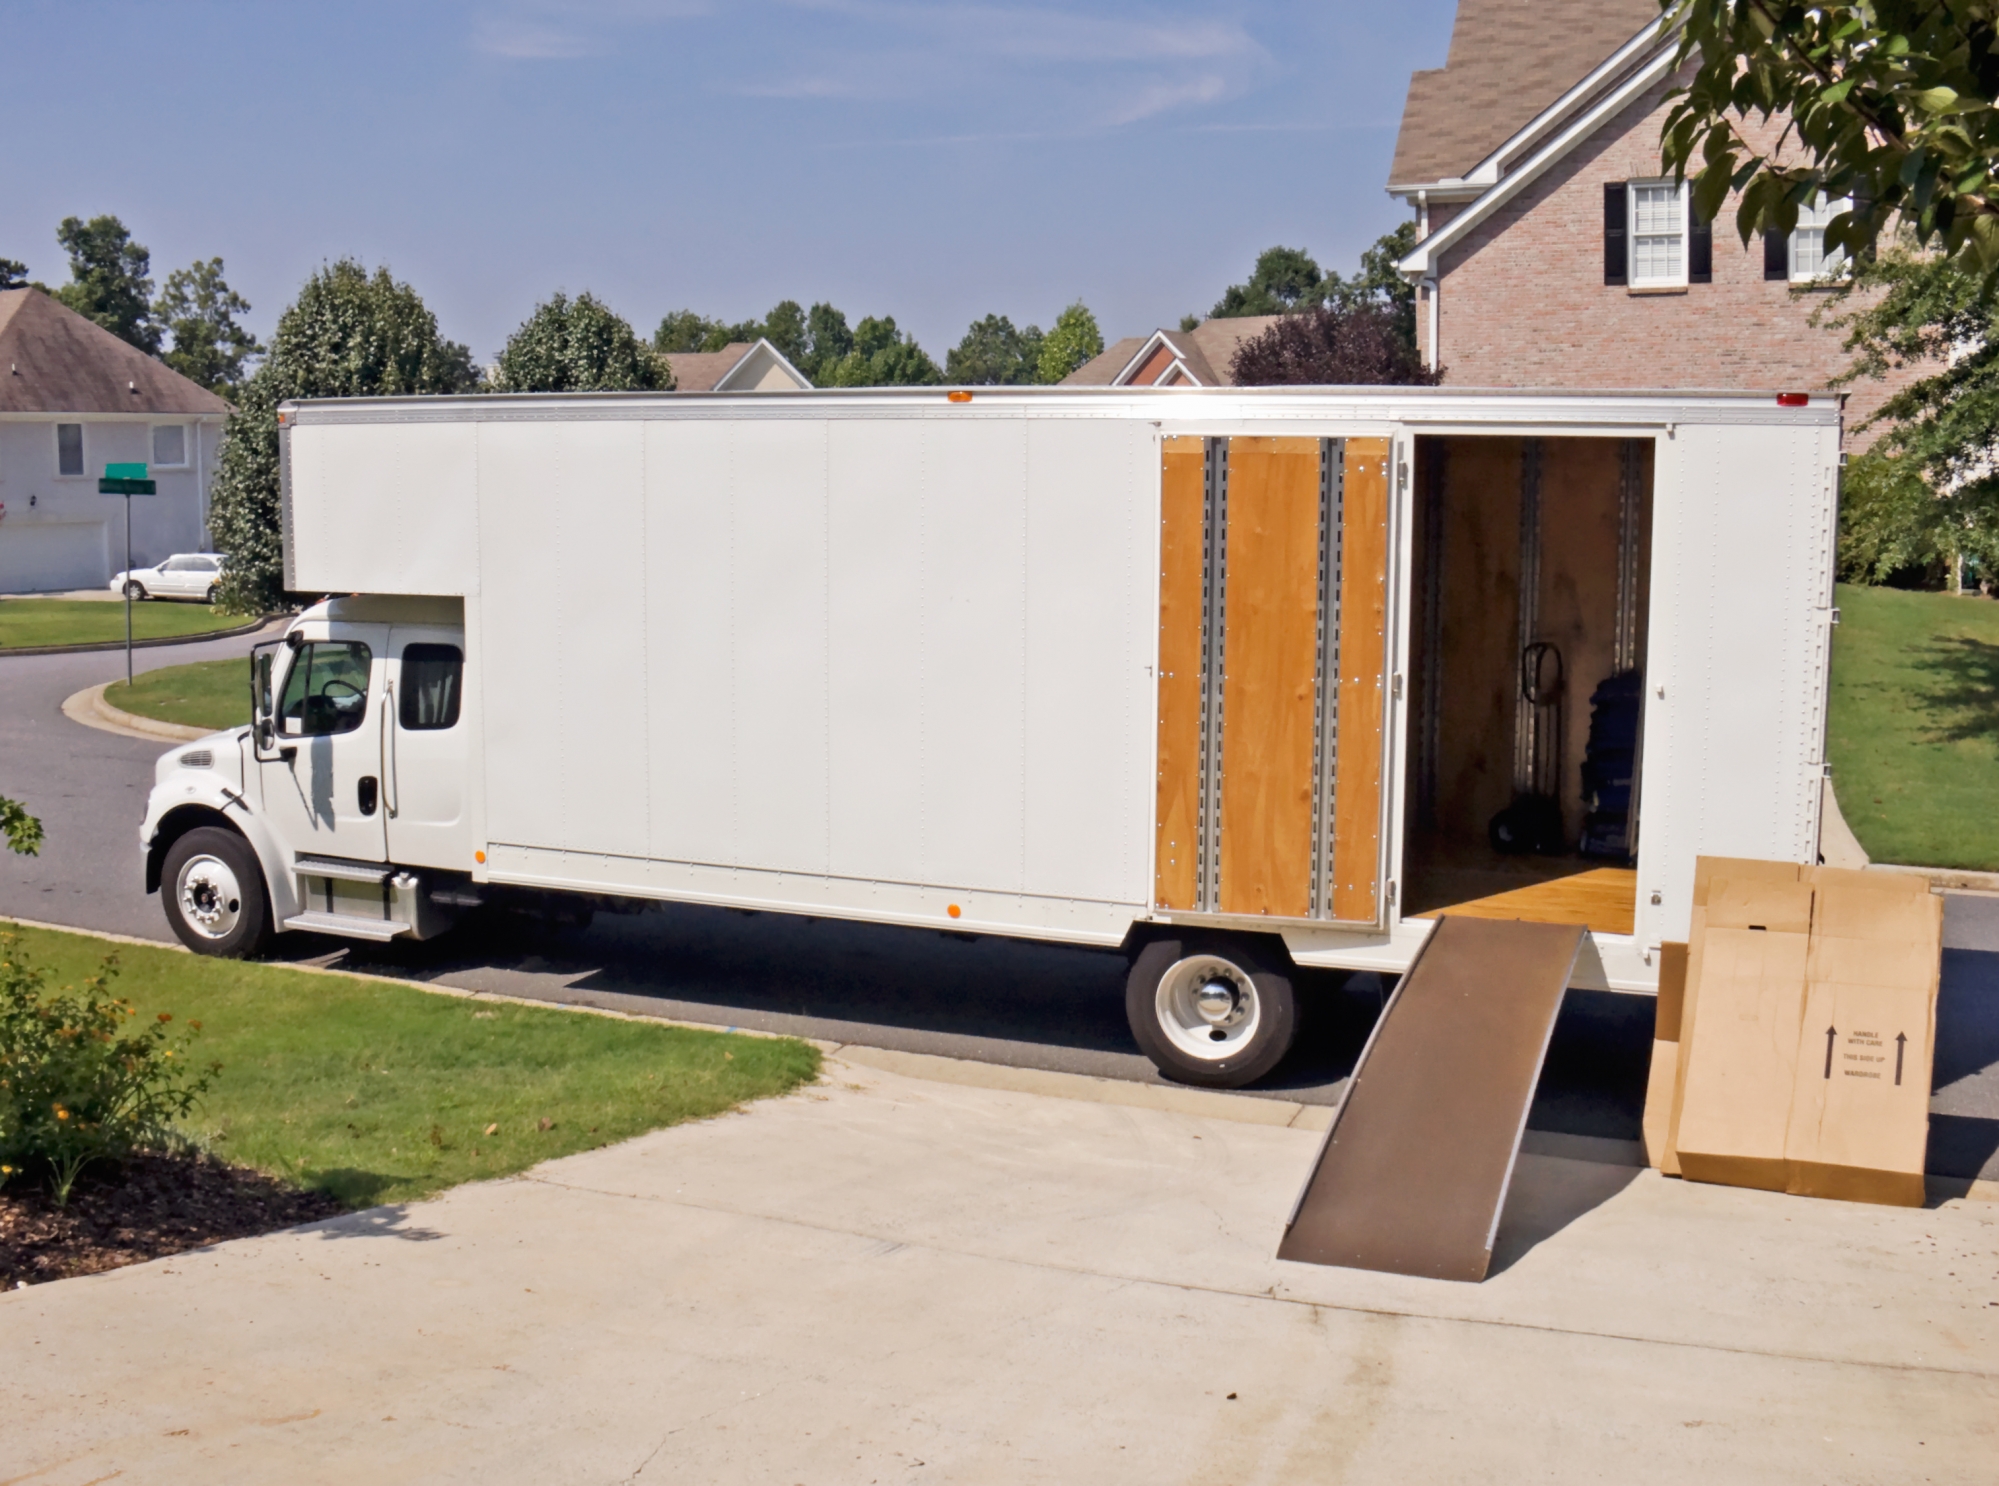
1208,1007
211,901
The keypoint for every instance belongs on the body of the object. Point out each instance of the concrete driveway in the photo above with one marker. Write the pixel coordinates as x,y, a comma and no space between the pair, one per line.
892,1278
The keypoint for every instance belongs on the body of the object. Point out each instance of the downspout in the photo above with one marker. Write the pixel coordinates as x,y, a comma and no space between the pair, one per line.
1430,288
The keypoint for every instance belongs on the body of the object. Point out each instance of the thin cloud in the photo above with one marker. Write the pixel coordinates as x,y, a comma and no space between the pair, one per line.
1158,98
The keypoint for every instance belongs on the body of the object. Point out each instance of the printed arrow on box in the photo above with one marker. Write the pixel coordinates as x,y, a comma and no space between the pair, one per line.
1900,1038
1830,1034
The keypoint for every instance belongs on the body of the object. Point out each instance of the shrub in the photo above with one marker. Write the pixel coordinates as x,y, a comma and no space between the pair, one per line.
1332,347
79,1082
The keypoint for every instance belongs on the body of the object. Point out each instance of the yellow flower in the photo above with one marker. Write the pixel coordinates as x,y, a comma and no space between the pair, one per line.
61,1113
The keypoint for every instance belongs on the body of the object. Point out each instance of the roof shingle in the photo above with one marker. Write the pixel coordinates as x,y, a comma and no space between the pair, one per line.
52,360
1509,60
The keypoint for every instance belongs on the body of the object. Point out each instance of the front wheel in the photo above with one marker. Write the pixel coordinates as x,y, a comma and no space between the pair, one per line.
213,891
135,590
1214,1010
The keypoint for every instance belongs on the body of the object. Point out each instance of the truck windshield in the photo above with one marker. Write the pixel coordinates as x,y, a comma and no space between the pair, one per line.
327,690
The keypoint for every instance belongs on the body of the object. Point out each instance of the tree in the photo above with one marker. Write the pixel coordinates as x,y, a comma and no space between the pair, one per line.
882,356
786,328
13,274
1071,341
1889,102
1380,282
199,309
994,354
1331,346
349,334
110,280
1927,493
579,345
1284,279
828,342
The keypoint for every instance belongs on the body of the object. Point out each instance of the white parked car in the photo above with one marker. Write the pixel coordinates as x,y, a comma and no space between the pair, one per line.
186,575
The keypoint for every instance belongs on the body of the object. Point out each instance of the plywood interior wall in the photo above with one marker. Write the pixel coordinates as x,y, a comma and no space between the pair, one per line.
1270,676
1478,595
1580,484
1182,517
1478,591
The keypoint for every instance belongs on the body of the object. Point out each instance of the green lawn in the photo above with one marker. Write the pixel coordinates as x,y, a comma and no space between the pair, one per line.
1913,736
89,621
208,694
380,1093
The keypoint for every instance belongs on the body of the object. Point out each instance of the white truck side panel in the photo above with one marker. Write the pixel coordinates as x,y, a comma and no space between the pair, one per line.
1742,534
564,605
902,650
384,508
1088,711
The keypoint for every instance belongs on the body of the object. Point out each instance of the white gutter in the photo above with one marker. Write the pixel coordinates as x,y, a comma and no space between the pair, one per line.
1422,262
1490,170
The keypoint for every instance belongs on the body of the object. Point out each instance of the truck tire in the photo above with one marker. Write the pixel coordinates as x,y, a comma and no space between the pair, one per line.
213,890
1215,1010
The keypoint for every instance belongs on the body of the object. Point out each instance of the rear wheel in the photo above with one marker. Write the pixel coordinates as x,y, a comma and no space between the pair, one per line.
213,589
1215,1010
134,589
213,891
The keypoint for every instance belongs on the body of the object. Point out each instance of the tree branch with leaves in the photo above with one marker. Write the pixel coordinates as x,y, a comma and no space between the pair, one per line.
1888,104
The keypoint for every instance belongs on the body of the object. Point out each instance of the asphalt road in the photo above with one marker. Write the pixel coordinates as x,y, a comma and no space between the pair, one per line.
996,1000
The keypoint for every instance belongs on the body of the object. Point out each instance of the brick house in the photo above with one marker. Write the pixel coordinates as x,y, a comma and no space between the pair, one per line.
1554,251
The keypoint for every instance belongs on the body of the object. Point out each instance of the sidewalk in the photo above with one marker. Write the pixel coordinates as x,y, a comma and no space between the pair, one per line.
897,1278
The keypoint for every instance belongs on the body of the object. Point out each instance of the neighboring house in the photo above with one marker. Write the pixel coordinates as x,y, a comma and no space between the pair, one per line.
74,398
1200,357
1554,251
740,366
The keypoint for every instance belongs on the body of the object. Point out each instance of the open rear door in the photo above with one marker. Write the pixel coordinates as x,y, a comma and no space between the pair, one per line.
1272,688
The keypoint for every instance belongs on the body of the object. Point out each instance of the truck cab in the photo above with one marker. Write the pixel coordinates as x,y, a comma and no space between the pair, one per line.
341,808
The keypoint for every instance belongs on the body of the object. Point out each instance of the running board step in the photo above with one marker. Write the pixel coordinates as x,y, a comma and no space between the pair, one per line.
340,869
348,924
1413,1174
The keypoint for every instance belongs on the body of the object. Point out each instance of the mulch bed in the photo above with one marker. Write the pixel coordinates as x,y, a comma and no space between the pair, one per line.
146,1208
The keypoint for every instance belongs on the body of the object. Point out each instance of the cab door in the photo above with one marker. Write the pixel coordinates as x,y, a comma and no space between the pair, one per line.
321,773
425,727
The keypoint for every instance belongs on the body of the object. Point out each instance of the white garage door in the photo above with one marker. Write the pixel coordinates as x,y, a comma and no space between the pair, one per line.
52,555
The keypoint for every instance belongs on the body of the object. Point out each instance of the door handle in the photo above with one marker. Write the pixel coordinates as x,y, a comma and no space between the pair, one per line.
368,790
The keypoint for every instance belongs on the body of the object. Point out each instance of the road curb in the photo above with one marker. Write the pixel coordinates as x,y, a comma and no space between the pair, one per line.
89,708
152,644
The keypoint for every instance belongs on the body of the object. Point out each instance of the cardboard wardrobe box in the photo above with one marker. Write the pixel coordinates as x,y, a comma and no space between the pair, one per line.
1664,1076
1806,1032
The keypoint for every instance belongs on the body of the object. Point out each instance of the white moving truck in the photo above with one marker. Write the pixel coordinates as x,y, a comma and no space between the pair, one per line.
1242,680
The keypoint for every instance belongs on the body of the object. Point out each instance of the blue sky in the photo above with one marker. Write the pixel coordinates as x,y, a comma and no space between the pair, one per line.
937,162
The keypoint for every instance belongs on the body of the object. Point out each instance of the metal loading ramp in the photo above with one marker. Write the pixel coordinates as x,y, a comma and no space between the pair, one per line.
1414,1171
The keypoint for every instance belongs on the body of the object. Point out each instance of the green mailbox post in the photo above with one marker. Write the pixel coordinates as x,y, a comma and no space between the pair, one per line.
127,480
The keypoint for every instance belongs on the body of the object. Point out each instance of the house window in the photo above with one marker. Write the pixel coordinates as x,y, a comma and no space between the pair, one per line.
1658,234
69,448
1810,263
170,446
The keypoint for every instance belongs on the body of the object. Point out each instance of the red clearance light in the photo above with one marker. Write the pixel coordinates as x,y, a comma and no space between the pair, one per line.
1793,399
959,396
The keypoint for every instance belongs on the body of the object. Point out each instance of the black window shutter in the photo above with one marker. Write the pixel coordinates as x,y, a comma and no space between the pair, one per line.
1616,255
1776,255
1700,249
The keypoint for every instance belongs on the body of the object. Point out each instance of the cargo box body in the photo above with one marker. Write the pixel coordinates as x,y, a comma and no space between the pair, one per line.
892,656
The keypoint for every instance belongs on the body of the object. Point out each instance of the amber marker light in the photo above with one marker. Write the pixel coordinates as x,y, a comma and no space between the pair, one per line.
479,856
959,396
954,910
1794,399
